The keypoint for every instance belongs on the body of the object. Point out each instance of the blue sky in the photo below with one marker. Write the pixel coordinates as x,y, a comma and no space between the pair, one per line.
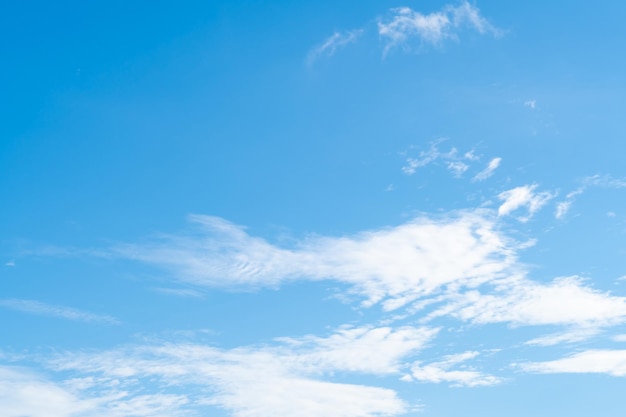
353,209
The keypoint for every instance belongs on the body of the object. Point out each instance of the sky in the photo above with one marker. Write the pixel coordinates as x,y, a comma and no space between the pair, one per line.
299,209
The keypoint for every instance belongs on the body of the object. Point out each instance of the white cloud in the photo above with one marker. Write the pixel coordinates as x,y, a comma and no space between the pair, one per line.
454,162
489,170
611,362
360,349
22,393
523,196
10,264
606,181
562,208
457,168
37,307
281,380
438,372
521,302
395,265
330,45
531,103
405,25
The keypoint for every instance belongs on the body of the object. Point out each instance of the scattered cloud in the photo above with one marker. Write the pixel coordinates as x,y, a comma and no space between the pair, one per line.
611,362
405,25
605,181
392,265
489,170
43,309
10,264
531,104
602,181
438,372
453,161
336,41
523,197
282,380
519,301
457,168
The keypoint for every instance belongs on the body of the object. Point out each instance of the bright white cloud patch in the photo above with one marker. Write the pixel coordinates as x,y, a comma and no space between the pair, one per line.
523,197
564,301
600,361
395,265
406,25
288,379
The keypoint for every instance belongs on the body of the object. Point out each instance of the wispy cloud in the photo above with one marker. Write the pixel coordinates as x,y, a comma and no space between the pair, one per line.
606,181
406,25
289,378
453,160
43,309
611,362
437,372
24,393
393,265
336,41
408,266
602,181
523,197
531,104
519,301
489,170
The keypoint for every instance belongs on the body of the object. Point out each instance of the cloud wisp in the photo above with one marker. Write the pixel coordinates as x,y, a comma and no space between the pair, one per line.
44,309
437,372
489,170
459,266
597,361
523,197
404,28
455,162
392,265
289,378
336,41
405,25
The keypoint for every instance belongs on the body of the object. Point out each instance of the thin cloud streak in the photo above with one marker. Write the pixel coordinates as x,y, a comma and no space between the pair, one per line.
43,309
336,41
489,170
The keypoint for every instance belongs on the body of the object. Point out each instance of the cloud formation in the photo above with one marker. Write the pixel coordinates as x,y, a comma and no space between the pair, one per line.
598,361
43,309
287,379
391,265
489,170
405,25
523,197
336,41
437,372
